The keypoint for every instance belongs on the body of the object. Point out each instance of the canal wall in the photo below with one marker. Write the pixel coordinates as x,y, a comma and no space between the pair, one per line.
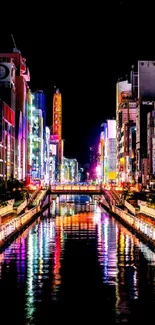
147,210
130,207
143,230
14,226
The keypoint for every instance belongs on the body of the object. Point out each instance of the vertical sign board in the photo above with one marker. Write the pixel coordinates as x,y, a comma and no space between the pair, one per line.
1,107
153,155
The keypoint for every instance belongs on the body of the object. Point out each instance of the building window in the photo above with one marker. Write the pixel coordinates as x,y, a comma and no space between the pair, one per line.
1,167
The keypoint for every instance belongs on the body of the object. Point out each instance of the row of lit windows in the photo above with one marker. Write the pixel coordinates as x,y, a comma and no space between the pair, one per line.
3,153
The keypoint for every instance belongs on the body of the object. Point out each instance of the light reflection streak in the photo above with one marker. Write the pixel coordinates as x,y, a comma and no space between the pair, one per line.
43,244
41,250
29,291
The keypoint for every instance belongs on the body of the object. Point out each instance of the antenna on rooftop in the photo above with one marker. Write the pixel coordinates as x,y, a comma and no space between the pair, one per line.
13,40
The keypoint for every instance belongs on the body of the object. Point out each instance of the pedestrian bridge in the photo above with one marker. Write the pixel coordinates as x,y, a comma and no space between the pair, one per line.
75,189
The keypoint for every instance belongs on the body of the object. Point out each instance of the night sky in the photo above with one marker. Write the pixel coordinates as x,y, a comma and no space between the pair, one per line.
83,50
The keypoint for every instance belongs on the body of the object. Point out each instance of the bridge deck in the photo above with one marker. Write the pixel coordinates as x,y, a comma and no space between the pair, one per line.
76,192
75,189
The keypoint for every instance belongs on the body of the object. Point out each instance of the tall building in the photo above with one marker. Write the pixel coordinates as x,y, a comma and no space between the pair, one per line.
134,114
47,156
29,135
37,144
94,158
125,119
131,147
14,93
40,103
146,98
7,117
101,152
70,170
7,141
109,151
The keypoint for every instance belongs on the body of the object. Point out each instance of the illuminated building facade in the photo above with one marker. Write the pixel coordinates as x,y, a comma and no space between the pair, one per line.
7,117
70,170
29,136
40,103
132,152
125,120
151,143
57,114
94,159
108,137
37,144
53,159
146,96
47,155
136,95
15,96
7,141
101,153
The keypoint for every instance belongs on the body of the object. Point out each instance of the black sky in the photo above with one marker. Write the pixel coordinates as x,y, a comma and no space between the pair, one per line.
83,50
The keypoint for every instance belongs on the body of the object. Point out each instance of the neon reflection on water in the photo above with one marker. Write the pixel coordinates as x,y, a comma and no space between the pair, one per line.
38,253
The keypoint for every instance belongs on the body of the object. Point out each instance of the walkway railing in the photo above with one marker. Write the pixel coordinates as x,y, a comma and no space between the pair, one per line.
136,223
15,224
86,188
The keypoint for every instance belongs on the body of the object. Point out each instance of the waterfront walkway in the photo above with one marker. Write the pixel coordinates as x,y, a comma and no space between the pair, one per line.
14,220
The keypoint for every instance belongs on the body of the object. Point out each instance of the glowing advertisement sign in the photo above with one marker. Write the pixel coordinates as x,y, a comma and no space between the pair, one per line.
54,138
57,114
0,121
53,149
112,157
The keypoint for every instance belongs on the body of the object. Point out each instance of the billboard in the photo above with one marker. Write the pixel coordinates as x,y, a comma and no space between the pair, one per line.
112,159
53,149
9,114
7,73
111,154
111,129
54,138
1,107
146,79
122,87
125,95
111,176
57,114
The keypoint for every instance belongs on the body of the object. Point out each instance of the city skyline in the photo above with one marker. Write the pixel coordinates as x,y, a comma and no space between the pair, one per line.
77,163
84,61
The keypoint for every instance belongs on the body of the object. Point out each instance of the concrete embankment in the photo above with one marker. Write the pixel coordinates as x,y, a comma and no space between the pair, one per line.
14,226
11,228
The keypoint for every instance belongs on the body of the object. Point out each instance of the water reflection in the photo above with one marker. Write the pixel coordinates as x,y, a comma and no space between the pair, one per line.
75,256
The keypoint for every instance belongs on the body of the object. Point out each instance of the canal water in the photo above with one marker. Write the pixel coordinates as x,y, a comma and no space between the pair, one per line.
77,264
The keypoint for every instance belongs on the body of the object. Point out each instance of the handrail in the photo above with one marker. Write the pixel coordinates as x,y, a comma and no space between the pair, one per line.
66,187
136,223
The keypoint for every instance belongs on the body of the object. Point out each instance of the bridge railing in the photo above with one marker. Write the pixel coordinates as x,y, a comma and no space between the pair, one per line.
75,188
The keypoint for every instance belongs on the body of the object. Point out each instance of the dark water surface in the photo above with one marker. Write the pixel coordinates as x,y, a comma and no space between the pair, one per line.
77,267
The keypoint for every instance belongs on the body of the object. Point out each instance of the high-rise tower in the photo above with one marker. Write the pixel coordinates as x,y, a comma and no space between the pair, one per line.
14,77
